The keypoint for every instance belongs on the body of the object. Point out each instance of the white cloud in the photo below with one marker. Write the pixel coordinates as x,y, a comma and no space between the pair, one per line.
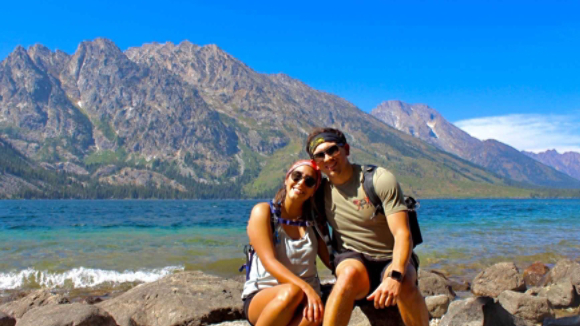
530,132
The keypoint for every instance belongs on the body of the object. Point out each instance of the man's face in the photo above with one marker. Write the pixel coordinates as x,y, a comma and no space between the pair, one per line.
331,158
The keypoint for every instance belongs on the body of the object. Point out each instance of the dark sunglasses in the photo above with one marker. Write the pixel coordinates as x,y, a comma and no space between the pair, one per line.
331,151
309,181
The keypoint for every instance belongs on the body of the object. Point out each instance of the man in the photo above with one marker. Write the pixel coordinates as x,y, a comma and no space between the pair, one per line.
375,258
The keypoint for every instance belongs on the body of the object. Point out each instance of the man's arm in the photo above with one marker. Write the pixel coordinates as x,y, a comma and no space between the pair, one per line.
399,226
391,194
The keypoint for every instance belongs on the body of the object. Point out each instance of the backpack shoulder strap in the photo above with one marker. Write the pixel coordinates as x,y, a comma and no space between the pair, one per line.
369,189
320,222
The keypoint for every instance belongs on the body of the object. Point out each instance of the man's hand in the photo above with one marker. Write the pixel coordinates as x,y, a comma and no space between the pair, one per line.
386,294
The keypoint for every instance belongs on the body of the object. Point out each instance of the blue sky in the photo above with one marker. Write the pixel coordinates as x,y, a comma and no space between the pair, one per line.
468,60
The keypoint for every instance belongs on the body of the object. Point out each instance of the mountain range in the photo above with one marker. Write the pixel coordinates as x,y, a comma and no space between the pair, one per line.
188,121
427,124
568,162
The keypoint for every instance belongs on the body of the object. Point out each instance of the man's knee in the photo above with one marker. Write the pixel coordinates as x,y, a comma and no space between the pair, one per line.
290,294
352,279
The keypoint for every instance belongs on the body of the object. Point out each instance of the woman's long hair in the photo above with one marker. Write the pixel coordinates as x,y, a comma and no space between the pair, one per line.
307,207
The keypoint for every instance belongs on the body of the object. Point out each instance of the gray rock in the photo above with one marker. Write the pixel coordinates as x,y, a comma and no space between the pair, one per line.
480,311
368,315
75,314
433,283
468,312
386,317
187,298
35,299
565,321
559,295
6,320
437,305
526,306
498,278
459,285
565,270
534,290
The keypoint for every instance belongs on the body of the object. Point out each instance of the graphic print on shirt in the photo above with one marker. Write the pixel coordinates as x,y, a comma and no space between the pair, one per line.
361,203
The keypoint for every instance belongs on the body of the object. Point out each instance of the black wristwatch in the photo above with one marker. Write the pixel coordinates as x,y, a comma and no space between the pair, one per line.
395,275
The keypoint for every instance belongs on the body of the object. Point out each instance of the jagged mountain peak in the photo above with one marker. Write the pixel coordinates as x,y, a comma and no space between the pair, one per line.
52,62
18,55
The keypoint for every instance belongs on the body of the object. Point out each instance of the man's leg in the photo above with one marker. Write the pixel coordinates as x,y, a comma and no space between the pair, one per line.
352,283
410,302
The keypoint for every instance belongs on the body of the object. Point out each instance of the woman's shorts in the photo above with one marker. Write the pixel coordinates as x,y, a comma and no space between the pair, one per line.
247,300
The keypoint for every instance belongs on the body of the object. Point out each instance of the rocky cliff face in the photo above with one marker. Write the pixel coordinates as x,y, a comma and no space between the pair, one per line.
425,123
199,117
568,162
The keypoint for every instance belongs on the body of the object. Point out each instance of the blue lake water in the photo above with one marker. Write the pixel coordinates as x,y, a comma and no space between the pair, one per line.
79,244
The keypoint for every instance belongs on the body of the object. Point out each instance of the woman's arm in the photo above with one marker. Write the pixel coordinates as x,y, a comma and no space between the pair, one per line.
323,252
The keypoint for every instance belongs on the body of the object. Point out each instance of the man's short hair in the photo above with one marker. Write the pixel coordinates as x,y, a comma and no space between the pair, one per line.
318,131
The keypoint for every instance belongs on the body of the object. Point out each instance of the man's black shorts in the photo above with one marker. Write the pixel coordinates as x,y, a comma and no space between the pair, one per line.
376,268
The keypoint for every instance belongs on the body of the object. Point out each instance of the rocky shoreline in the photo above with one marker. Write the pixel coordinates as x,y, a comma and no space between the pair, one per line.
498,295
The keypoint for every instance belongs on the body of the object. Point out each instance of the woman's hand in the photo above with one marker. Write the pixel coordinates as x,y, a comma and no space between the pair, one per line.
314,310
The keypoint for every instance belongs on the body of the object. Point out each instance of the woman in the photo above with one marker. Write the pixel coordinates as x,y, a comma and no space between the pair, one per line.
283,286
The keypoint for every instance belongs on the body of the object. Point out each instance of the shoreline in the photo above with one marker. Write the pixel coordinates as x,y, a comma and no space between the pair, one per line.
228,269
179,289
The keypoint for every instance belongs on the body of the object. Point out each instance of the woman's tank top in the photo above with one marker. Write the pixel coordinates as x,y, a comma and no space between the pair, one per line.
299,256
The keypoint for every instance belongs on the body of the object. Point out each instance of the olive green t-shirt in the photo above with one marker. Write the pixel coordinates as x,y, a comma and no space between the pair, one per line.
349,212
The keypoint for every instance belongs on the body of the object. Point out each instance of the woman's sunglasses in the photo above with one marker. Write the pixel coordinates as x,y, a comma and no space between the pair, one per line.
331,151
309,181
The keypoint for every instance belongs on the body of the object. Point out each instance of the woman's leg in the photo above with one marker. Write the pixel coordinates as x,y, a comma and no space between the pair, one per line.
299,319
275,306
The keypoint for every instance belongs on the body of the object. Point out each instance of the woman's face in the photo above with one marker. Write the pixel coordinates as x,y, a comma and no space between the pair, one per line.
300,183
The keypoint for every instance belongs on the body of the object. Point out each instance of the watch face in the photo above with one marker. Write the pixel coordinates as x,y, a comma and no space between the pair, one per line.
396,275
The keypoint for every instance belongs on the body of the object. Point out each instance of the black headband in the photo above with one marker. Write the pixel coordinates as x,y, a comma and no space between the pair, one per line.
324,137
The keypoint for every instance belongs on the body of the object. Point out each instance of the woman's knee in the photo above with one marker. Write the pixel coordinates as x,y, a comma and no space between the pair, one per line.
290,294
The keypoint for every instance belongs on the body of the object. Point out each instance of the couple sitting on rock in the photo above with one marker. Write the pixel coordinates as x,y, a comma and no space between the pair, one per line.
374,257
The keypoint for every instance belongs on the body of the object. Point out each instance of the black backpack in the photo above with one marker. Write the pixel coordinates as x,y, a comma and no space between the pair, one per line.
410,202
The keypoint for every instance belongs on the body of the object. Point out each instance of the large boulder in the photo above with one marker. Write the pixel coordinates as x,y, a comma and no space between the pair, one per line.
437,305
75,314
560,295
6,320
434,283
565,270
534,274
33,300
186,298
526,306
500,277
479,311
